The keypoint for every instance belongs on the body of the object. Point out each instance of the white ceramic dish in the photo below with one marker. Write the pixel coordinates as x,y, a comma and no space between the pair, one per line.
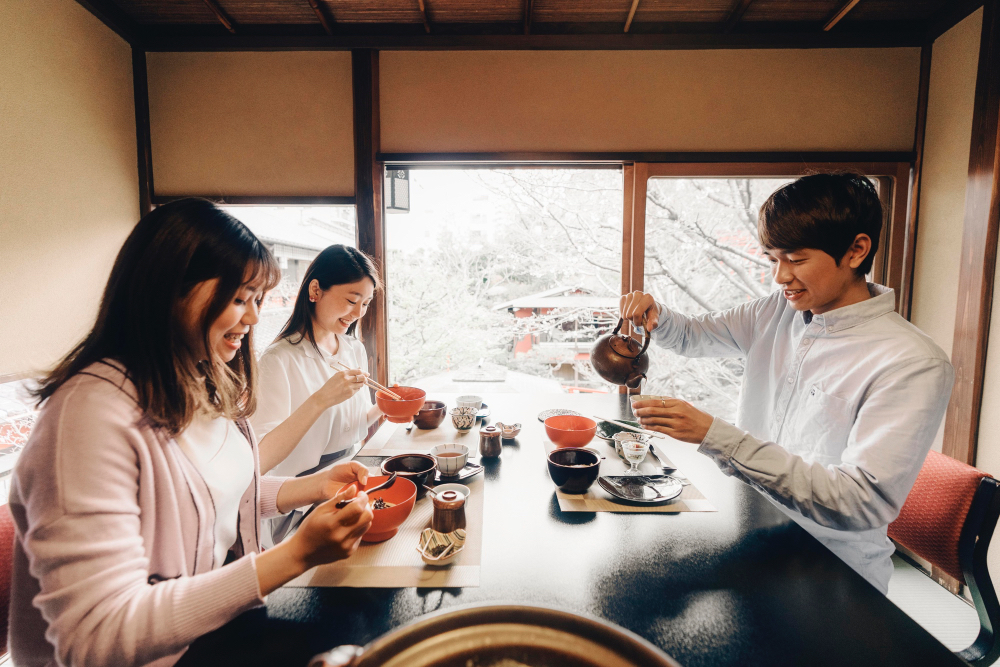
430,538
508,431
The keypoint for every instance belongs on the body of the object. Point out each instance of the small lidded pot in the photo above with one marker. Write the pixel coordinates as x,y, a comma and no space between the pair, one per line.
490,446
449,511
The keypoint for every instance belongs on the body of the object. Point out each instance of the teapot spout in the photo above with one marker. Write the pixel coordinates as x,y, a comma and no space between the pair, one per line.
635,380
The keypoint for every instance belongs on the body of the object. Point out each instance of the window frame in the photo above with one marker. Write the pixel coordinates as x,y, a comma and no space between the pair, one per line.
893,265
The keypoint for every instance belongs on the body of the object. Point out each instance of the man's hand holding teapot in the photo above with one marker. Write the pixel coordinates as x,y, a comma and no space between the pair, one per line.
639,306
674,417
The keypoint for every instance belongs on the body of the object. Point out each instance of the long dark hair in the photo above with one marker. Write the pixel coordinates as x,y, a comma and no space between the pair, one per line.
336,265
139,324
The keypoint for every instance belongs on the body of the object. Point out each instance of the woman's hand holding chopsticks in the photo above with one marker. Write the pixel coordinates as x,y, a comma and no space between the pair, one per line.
340,387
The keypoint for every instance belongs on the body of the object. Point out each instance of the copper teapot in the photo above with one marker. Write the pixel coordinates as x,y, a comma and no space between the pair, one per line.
620,359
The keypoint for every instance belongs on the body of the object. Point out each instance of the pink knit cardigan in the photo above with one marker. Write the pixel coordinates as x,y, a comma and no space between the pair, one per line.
113,559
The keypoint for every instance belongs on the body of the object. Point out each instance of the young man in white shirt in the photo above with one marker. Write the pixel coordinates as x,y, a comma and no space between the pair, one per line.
841,397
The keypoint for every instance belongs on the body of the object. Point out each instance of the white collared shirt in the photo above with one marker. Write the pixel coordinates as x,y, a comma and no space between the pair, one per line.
836,413
289,374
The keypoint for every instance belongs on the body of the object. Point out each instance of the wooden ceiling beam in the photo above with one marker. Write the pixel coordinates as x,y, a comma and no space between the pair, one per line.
111,15
324,20
949,16
171,39
423,15
840,13
631,14
734,16
527,16
221,15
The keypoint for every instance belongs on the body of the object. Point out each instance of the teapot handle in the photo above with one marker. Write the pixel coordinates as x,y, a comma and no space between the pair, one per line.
646,337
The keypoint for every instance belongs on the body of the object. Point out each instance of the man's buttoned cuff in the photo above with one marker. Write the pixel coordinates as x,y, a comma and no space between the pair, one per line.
721,441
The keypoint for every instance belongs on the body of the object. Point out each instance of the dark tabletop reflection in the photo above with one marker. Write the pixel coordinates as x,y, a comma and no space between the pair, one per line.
741,586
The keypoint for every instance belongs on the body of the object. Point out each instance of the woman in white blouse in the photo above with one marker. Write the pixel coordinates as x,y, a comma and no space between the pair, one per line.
305,395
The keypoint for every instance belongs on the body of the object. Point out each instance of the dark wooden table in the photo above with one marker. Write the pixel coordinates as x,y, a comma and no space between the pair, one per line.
742,586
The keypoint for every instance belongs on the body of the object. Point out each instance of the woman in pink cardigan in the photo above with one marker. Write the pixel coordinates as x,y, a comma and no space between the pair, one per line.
138,498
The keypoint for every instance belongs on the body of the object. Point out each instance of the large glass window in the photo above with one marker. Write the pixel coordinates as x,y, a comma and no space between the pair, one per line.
17,417
295,235
702,255
503,276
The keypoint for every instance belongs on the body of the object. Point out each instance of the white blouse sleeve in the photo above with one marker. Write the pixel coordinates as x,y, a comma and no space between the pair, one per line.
274,395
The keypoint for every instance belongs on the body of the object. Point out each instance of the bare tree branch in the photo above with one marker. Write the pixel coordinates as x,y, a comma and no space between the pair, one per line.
739,253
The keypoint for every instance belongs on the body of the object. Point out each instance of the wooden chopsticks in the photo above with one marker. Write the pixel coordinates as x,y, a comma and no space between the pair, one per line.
370,382
631,428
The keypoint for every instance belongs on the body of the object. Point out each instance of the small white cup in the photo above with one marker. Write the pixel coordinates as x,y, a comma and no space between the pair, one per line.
463,418
470,401
450,465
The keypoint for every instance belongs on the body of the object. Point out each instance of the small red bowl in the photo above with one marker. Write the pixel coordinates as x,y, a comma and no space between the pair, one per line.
402,494
403,411
570,430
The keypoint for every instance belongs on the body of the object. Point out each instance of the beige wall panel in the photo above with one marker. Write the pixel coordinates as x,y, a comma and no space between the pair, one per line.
942,209
252,123
954,61
68,178
754,100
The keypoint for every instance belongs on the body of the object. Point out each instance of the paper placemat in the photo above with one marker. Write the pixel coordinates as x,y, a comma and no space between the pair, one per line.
392,439
597,499
396,563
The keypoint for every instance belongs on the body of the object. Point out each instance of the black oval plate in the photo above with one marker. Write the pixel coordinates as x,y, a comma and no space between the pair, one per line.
642,489
470,470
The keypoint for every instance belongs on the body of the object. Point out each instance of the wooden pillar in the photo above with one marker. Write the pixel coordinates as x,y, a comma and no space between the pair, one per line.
979,249
144,151
633,236
368,183
913,207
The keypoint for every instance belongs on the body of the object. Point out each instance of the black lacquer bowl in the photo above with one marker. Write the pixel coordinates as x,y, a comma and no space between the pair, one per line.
418,468
573,469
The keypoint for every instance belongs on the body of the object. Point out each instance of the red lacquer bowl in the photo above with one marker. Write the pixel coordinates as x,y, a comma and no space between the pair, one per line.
402,494
570,430
401,412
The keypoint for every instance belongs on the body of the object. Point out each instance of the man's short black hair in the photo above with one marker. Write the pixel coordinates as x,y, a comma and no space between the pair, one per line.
825,212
